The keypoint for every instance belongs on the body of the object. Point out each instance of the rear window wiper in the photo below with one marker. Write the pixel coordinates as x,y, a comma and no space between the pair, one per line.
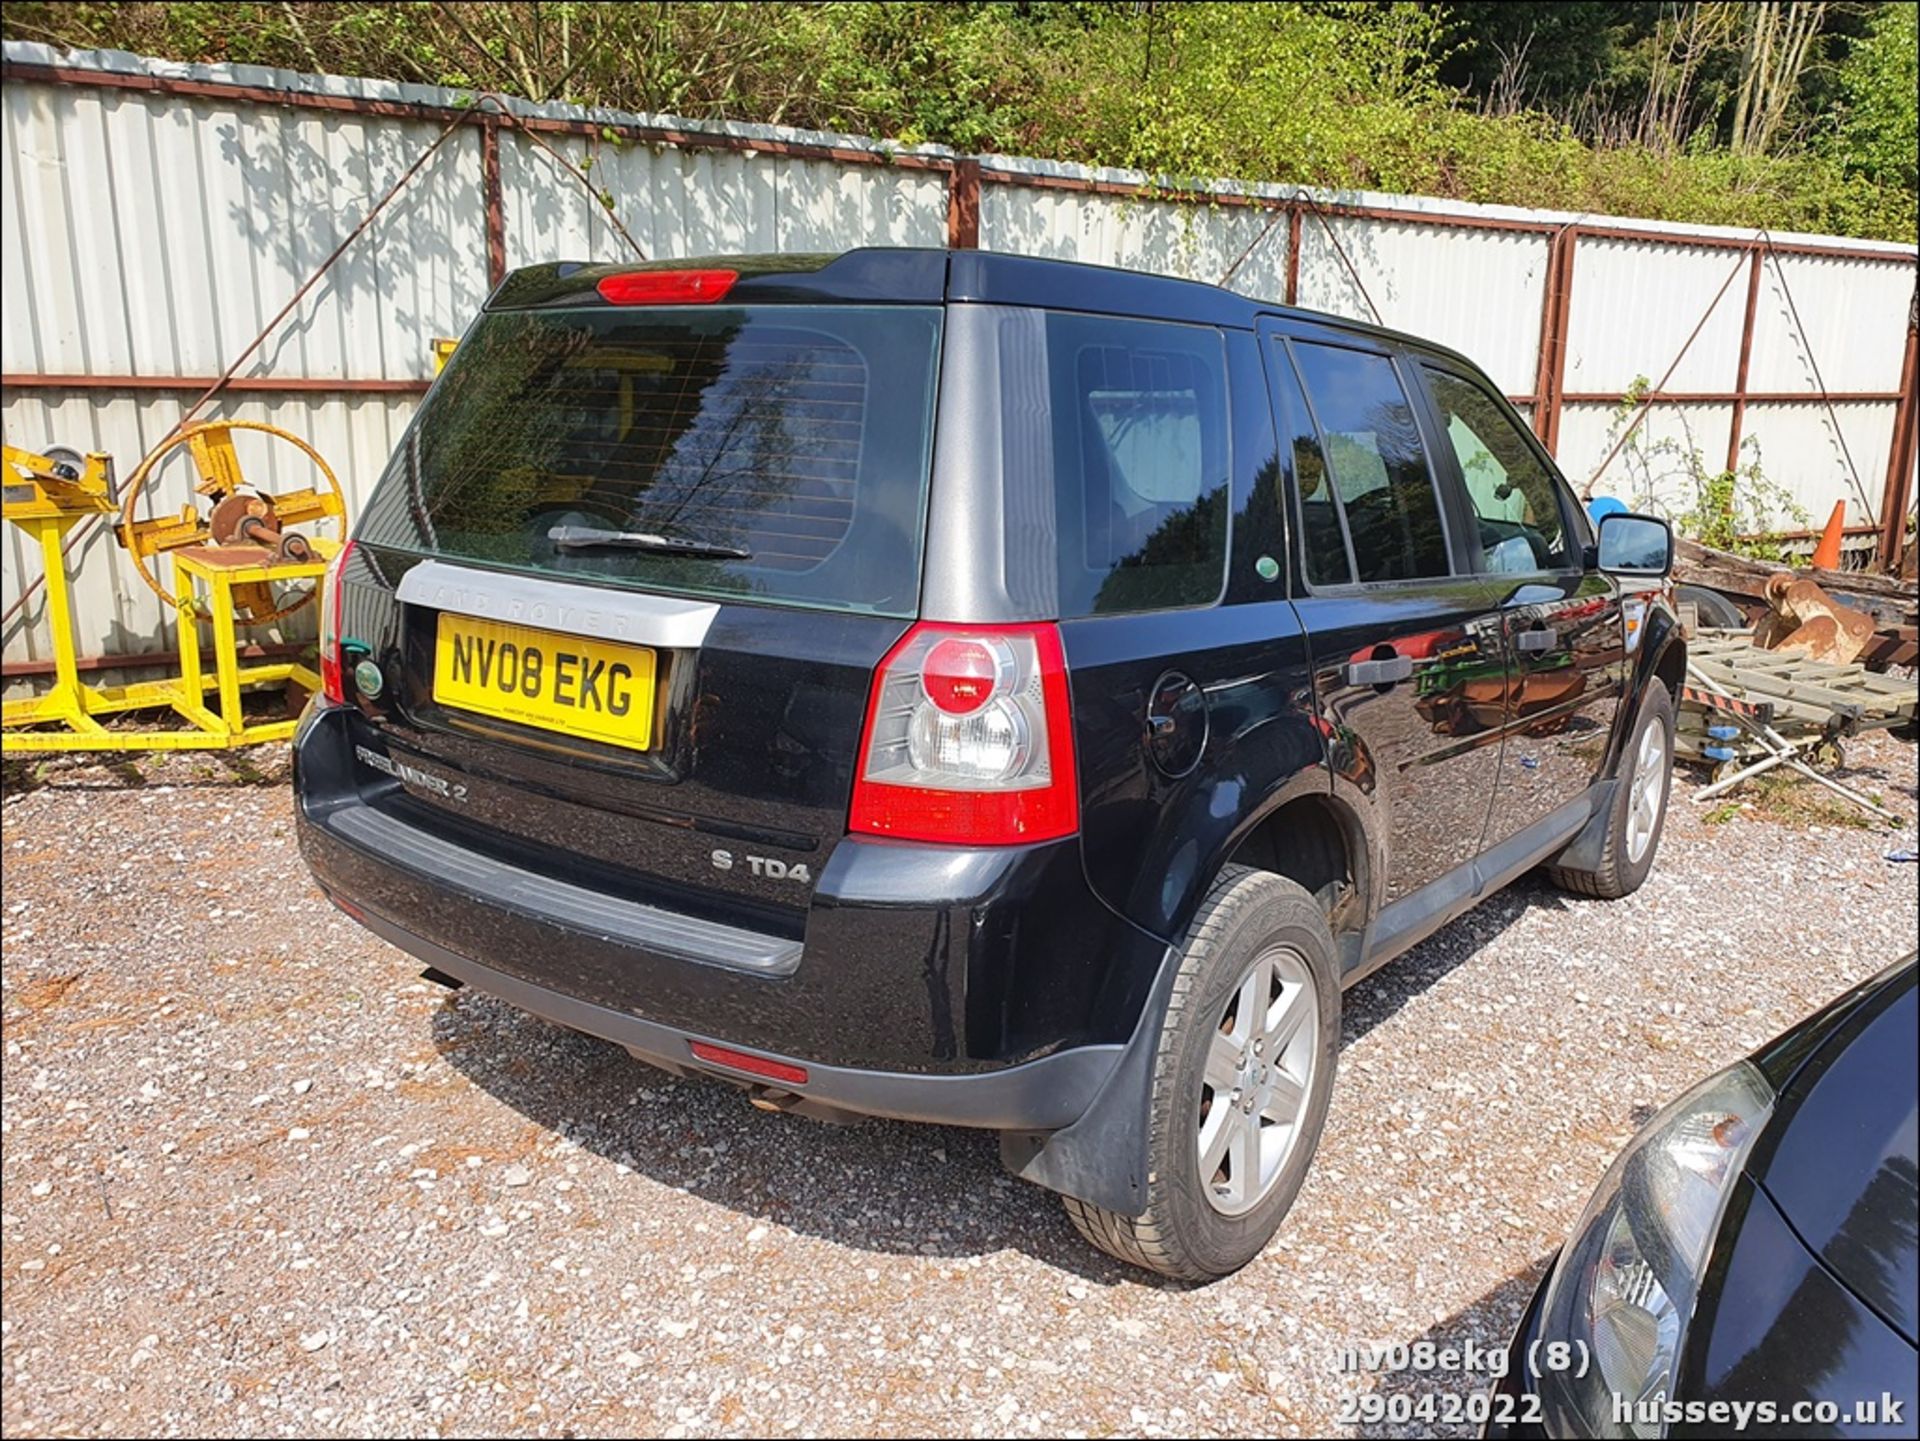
588,537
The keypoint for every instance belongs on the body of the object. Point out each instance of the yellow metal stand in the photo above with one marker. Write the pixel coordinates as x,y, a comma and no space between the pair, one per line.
237,555
73,706
67,702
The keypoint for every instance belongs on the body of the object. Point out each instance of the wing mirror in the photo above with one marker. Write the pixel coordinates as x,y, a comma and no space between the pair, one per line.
1631,544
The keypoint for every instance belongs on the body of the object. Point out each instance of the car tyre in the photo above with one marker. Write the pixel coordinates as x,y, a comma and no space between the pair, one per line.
1638,814
1716,612
1251,1038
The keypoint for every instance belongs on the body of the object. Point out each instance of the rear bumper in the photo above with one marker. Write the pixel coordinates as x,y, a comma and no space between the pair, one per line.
1040,1095
938,985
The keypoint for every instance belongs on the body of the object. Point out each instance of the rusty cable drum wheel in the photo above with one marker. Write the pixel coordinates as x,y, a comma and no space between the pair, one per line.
333,504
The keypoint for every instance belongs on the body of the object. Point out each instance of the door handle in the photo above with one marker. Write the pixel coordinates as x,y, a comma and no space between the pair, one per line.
1380,672
1537,642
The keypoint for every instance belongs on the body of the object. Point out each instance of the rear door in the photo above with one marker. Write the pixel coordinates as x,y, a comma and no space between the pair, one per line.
1409,669
1186,665
1560,621
626,581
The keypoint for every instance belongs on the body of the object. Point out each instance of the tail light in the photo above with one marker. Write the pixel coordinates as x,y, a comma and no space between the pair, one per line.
969,739
333,683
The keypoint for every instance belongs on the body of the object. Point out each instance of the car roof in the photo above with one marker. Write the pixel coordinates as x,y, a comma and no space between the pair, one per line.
929,276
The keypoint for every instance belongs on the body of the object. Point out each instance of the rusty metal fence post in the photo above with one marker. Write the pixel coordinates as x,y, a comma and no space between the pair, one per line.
1746,356
963,204
494,199
1293,252
1897,498
1551,373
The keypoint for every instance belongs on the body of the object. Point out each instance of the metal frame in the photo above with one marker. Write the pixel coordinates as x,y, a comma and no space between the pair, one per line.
963,205
1748,689
1741,397
298,384
72,706
147,660
1896,499
965,177
1555,309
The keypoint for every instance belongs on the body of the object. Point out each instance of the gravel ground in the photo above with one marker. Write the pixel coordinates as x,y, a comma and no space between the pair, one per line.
258,1178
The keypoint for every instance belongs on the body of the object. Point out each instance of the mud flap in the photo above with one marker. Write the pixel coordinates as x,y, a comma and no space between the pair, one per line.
1102,1157
1582,853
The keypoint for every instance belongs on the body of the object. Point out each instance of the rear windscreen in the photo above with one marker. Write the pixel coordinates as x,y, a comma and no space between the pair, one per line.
796,436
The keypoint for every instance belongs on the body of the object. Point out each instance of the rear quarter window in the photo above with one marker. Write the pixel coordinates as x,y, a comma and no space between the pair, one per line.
1141,463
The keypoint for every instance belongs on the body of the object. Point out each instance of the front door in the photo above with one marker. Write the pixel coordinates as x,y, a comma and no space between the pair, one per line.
1403,634
1561,622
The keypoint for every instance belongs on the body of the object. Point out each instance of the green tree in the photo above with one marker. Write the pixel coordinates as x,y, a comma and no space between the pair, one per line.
1542,54
1626,107
1878,132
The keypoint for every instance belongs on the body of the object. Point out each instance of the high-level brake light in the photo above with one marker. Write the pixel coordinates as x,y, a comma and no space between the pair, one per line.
667,287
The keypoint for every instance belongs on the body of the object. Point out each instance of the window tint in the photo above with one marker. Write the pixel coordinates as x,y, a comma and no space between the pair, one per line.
1515,498
797,434
1141,462
1376,467
1321,537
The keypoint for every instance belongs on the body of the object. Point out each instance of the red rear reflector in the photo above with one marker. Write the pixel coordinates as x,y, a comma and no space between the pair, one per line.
753,1065
667,287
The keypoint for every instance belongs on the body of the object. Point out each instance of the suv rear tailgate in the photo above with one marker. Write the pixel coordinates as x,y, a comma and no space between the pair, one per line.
730,814
614,608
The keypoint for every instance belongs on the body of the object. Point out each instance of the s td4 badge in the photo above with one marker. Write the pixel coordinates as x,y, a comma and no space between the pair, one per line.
765,866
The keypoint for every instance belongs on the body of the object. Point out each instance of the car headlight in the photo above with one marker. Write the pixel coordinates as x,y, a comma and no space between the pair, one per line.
1624,1288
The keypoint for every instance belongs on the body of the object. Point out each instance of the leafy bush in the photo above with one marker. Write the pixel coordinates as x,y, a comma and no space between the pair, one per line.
1333,93
1878,134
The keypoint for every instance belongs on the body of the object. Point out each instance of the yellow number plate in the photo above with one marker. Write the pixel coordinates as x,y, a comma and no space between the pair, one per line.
541,678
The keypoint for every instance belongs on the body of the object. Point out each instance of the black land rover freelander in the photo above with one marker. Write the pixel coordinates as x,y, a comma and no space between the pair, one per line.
979,690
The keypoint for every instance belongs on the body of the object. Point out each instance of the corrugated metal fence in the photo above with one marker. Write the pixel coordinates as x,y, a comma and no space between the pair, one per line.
156,215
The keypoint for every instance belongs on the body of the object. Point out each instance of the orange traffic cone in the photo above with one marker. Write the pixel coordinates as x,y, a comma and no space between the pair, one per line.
1826,555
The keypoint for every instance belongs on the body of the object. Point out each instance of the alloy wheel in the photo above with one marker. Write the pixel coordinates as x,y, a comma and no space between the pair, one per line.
1259,1073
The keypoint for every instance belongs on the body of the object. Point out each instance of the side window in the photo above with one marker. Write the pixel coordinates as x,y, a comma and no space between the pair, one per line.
1322,538
1376,468
1522,526
1142,460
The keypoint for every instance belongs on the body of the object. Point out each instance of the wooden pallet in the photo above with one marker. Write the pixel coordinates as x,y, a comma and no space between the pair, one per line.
1801,693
